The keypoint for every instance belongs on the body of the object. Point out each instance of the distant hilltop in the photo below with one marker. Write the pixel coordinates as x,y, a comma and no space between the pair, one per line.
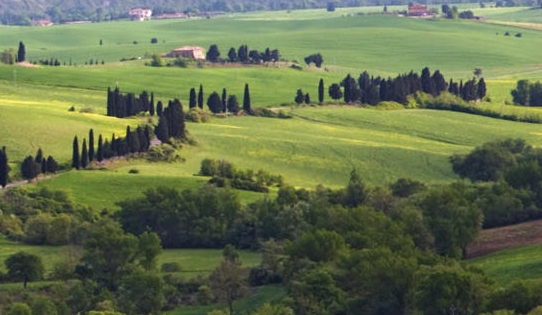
16,12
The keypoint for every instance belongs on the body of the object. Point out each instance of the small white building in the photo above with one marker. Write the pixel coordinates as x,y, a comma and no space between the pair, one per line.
139,14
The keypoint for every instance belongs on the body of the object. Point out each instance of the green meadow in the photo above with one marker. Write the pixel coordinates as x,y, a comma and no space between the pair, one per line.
511,264
191,261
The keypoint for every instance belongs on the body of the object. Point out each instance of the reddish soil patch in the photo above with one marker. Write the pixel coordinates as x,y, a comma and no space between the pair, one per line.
496,239
26,64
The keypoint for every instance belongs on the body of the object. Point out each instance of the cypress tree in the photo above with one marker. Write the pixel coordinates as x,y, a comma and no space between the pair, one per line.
21,53
347,89
482,90
151,105
233,104
192,103
39,160
29,168
100,153
91,145
246,100
200,97
159,108
224,100
438,82
307,98
428,85
75,155
161,130
43,166
84,154
175,119
299,97
113,146
321,91
214,103
4,168
52,165
142,139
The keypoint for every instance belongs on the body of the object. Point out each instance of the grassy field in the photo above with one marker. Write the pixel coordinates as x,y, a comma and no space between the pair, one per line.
317,146
266,294
512,264
192,261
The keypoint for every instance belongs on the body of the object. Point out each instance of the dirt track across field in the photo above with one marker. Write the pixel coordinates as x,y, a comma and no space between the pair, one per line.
496,239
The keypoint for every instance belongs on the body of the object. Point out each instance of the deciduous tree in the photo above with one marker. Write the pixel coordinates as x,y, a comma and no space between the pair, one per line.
25,267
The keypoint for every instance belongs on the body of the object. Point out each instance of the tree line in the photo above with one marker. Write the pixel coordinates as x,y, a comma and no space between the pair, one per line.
136,141
527,93
243,55
371,90
124,105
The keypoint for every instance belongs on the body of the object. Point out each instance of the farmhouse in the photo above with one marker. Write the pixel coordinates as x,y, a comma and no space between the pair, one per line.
139,14
194,52
418,10
42,23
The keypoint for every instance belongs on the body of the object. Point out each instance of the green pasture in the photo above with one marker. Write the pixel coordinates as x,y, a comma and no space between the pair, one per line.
319,145
192,261
383,44
512,264
258,296
102,189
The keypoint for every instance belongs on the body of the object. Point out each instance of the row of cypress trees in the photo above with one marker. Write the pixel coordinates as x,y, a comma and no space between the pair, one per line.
125,105
135,141
368,89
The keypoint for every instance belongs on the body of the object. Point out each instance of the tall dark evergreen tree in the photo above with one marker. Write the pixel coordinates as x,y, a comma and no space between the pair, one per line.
233,104
242,53
162,130
100,152
213,53
39,160
224,100
246,100
76,162
438,82
307,98
214,103
4,167
29,168
159,108
175,120
52,165
428,85
84,154
482,90
151,105
200,97
192,103
335,91
321,91
232,55
364,82
21,53
299,97
91,145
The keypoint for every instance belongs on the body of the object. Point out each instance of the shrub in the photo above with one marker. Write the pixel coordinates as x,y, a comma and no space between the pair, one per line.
133,171
170,267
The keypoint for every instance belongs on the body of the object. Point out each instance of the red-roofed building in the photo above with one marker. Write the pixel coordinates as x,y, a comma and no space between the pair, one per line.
194,52
418,10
